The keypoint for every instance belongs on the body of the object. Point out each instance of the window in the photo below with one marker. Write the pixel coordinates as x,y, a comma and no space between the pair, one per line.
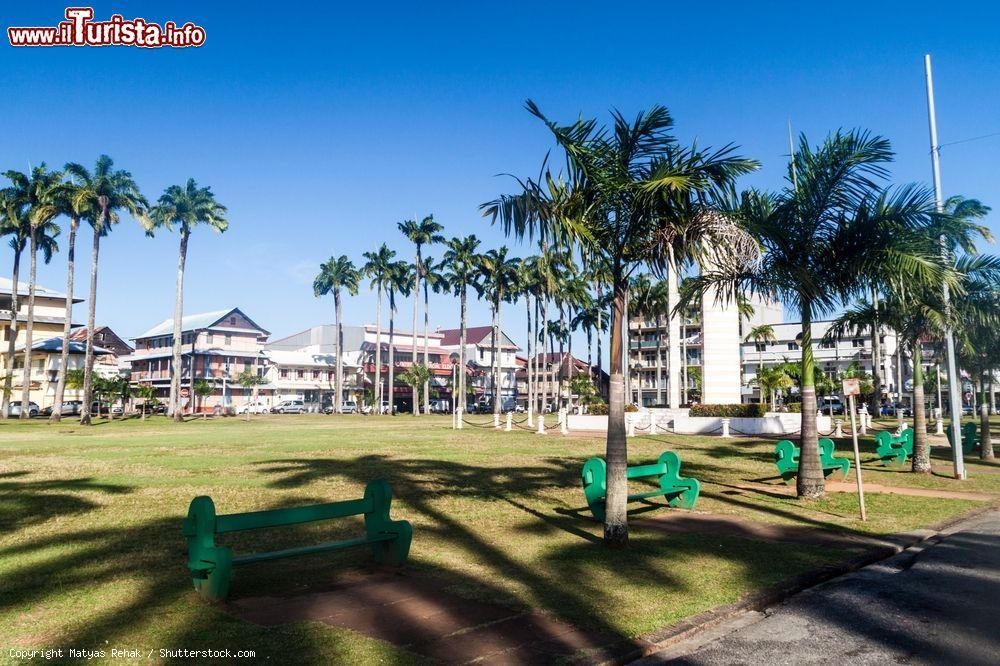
858,342
229,339
232,320
329,375
299,374
284,373
315,374
209,338
761,346
827,344
792,346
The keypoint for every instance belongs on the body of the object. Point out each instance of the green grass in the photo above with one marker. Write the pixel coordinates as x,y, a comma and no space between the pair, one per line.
91,552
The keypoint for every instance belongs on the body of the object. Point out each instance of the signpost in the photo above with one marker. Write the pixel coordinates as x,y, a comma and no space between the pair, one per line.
852,389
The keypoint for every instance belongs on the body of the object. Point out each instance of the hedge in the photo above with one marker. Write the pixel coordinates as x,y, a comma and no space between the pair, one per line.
750,410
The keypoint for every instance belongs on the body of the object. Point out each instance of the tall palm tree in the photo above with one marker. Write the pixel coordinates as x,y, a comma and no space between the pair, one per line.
462,261
761,334
186,207
13,223
632,196
527,286
35,195
499,277
433,279
399,282
425,232
378,267
335,275
107,192
826,236
74,207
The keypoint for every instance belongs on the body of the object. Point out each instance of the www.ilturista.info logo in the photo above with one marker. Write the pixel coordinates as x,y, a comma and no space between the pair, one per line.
79,29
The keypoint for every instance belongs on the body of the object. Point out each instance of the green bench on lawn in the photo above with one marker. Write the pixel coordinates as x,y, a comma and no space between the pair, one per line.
970,437
678,490
211,565
786,457
894,449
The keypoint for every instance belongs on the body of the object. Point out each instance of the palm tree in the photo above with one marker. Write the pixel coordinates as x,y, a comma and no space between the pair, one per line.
35,195
399,282
14,223
106,192
462,263
378,267
499,279
761,335
826,236
336,274
425,232
632,196
186,207
433,278
527,286
71,205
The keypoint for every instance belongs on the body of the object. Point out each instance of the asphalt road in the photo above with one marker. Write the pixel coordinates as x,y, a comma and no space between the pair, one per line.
938,605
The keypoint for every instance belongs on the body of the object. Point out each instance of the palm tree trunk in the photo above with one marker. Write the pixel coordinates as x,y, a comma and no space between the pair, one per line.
338,385
985,436
809,483
462,389
177,366
88,363
659,361
29,329
427,364
626,339
528,405
67,325
600,322
921,447
392,354
875,406
378,350
8,381
616,453
495,344
546,358
562,355
413,335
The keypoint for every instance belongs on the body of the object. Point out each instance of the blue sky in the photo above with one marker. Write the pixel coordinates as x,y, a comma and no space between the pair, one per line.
321,125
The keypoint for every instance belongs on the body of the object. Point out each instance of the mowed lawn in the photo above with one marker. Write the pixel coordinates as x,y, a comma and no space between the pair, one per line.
91,552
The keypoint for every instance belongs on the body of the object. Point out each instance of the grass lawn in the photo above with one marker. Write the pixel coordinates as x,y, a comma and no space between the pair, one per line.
91,552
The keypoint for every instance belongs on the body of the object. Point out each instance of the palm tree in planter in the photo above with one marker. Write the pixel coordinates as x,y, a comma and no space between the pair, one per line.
461,272
35,195
498,274
378,267
761,335
631,196
76,208
425,232
831,232
185,207
335,275
107,193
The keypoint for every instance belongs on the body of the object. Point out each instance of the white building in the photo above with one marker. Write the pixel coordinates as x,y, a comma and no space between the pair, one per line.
480,360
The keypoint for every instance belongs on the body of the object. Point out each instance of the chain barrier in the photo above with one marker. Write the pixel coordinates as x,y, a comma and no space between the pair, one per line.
488,424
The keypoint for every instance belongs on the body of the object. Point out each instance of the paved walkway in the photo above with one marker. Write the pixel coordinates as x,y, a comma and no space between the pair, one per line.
938,605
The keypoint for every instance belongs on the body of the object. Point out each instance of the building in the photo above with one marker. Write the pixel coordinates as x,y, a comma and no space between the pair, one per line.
555,373
480,361
49,317
117,360
215,347
310,376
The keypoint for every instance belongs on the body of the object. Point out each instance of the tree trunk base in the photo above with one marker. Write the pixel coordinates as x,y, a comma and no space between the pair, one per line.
615,536
811,490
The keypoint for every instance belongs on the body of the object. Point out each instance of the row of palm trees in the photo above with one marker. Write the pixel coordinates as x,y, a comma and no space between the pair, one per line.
629,197
32,204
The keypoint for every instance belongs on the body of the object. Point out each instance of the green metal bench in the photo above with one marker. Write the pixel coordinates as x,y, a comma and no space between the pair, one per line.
970,437
211,565
786,457
678,490
894,449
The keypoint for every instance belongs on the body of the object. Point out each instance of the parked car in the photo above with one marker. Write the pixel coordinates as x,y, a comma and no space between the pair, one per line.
440,407
152,407
253,407
289,407
69,408
834,401
346,407
14,409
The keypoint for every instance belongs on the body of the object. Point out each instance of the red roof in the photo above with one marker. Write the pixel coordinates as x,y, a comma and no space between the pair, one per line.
473,334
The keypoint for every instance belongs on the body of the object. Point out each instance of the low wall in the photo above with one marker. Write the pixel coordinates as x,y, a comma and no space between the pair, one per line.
770,424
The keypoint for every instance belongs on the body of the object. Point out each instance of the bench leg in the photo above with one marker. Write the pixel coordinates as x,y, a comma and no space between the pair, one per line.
397,551
216,586
689,496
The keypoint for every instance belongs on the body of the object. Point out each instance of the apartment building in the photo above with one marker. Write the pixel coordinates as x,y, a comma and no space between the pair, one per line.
552,375
215,346
480,361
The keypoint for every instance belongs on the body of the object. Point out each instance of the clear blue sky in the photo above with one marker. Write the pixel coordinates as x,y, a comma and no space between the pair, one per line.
321,126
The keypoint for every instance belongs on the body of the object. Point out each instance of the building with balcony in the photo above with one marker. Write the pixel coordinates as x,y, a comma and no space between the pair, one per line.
215,347
49,317
555,373
479,360
310,376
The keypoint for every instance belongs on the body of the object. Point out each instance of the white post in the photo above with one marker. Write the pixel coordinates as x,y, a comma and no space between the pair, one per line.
630,426
453,413
839,430
857,459
725,428
940,426
496,420
509,425
458,418
541,424
652,423
565,425
531,414
864,425
954,388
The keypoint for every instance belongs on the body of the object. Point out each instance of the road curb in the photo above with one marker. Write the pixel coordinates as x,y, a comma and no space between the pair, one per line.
659,641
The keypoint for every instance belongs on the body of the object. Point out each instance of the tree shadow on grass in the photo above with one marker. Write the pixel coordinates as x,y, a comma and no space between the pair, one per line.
24,503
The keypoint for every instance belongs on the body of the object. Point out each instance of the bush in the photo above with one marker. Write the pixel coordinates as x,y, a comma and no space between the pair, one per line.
630,407
599,409
752,410
795,407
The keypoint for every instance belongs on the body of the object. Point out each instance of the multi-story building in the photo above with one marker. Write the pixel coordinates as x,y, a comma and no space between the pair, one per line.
215,346
49,317
117,360
310,376
555,373
480,361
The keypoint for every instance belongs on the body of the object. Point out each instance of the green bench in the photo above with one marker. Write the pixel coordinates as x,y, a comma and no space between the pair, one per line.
894,449
970,437
678,490
211,565
786,457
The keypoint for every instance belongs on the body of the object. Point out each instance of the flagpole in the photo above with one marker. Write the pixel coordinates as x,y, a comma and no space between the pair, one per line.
954,390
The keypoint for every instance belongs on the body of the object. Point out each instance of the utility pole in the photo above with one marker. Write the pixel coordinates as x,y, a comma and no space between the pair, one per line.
954,390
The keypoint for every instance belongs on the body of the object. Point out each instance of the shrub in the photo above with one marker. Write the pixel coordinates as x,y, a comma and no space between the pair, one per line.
630,407
753,410
599,409
795,407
